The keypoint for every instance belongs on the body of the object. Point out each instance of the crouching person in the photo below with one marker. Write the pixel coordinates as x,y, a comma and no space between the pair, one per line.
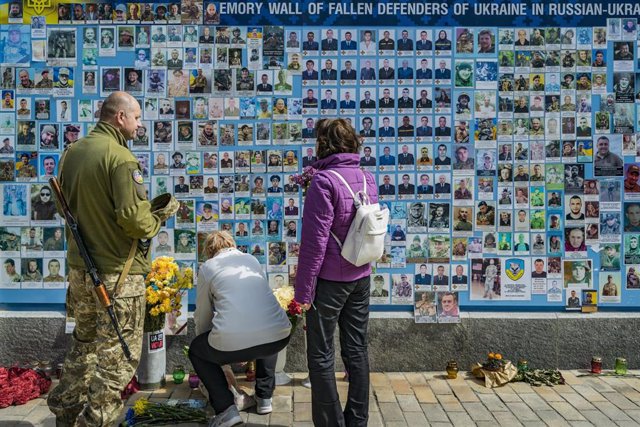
237,319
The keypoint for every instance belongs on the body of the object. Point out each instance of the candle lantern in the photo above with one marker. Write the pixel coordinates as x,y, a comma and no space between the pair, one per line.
452,370
621,366
178,374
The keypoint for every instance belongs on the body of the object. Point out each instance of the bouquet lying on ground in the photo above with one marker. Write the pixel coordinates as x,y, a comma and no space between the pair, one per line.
150,413
496,371
538,377
20,385
165,285
285,297
494,362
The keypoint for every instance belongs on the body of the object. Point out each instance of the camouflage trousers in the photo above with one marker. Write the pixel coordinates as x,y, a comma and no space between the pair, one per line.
95,368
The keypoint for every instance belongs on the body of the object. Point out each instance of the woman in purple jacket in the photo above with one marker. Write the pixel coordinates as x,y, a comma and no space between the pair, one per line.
334,291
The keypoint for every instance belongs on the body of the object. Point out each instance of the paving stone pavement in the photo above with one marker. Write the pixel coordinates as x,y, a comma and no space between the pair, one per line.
426,399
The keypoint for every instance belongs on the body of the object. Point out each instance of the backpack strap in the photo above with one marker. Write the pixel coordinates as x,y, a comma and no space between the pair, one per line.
358,198
344,181
357,201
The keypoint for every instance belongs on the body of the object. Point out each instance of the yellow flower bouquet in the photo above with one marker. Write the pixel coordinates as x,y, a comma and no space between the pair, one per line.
165,285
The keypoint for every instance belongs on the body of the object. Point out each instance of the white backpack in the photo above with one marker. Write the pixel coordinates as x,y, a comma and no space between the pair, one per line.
365,239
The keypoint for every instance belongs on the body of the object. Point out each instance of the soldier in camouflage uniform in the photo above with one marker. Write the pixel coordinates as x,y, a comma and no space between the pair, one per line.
438,247
54,272
26,170
415,249
104,187
45,82
10,241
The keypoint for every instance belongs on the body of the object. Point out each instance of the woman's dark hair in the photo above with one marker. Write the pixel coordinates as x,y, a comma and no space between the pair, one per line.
336,136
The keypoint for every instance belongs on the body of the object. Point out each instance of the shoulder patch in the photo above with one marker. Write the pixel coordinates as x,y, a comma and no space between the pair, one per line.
137,177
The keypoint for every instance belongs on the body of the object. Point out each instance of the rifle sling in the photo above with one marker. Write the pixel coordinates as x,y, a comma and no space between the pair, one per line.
126,268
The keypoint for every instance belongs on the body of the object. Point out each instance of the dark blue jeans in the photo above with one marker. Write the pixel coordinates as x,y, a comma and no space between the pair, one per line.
345,304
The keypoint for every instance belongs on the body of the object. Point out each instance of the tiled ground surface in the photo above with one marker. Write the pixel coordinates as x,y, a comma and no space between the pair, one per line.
427,399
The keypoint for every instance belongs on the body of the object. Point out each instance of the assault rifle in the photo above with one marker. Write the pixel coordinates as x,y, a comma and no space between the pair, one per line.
98,284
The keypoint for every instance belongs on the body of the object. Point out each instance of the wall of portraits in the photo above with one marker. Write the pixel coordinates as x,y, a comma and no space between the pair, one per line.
508,156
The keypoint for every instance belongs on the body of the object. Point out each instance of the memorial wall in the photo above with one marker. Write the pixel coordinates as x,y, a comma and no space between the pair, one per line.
507,153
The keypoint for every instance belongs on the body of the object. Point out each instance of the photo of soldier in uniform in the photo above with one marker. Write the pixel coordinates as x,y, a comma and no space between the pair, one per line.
485,279
61,47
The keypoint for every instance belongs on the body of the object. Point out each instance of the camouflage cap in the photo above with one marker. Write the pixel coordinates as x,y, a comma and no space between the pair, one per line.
165,206
63,72
577,264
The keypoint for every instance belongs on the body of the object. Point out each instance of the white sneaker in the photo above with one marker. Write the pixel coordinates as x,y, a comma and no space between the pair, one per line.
306,383
264,406
243,400
228,418
282,378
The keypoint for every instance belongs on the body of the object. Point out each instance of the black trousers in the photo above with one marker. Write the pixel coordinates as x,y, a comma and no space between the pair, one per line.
345,304
207,361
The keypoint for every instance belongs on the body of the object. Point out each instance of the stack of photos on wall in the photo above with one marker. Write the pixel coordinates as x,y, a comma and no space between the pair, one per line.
508,157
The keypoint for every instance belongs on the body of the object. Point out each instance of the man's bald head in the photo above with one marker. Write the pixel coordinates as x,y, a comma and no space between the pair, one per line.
122,111
117,101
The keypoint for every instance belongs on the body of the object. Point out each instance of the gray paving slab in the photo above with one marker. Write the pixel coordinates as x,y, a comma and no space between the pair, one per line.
426,399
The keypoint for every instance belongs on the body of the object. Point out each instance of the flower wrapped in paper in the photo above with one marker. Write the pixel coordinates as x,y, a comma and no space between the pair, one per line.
496,371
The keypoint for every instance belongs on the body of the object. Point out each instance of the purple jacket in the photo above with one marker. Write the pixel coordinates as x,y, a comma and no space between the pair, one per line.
328,207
